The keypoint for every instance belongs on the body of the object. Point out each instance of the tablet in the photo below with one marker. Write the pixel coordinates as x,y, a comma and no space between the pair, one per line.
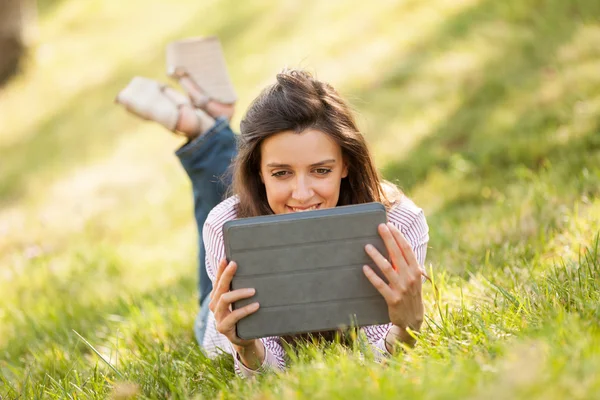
306,268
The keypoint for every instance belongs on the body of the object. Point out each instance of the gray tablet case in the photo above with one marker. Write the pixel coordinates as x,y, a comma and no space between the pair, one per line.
306,268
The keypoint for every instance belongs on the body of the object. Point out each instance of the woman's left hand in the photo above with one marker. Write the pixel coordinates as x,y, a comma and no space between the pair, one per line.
402,293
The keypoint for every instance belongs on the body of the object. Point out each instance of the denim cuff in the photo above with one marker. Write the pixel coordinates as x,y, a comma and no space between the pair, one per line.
189,150
207,158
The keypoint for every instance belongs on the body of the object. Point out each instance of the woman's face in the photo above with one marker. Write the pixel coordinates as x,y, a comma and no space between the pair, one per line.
301,171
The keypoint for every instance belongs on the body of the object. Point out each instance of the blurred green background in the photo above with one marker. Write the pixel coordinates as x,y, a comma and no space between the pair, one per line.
486,113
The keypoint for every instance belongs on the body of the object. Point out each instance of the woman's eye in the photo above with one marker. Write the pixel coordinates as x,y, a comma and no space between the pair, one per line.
279,174
323,171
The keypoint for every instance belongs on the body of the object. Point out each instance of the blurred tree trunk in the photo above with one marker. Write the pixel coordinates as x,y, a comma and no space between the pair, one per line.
15,15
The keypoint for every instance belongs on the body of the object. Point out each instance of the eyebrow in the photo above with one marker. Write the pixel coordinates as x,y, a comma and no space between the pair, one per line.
278,165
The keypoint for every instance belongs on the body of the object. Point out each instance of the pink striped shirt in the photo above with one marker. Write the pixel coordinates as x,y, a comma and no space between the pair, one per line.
406,216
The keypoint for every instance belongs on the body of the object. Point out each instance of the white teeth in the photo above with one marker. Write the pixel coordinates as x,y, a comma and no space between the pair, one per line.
304,209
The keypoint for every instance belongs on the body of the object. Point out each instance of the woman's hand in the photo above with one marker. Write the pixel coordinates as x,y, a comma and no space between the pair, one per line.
402,293
221,299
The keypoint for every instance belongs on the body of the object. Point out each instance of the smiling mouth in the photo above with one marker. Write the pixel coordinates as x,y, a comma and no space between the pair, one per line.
302,209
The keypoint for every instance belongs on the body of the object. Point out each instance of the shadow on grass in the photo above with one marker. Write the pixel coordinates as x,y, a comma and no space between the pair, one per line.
525,63
472,151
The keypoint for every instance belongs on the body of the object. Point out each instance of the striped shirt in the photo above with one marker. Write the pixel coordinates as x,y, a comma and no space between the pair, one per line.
406,216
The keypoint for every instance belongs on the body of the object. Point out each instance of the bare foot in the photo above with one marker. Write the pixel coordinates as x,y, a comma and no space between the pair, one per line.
187,123
216,109
193,122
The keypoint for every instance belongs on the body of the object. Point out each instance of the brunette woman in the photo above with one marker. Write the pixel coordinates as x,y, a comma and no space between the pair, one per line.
299,150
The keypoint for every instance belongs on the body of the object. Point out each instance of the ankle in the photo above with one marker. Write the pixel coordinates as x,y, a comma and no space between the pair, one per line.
216,109
198,98
188,123
193,122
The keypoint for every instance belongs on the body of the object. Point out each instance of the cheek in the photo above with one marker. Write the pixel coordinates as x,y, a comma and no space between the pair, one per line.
277,192
329,189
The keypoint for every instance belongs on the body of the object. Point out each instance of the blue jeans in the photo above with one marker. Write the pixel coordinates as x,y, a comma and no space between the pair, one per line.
206,160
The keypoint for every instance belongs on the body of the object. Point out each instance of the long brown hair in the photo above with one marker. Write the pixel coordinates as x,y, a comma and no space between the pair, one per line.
297,102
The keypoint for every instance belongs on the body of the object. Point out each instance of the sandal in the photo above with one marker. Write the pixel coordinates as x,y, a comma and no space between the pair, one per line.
199,65
201,101
157,102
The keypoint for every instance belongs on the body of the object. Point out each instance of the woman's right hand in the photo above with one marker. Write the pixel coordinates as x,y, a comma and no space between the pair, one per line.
221,299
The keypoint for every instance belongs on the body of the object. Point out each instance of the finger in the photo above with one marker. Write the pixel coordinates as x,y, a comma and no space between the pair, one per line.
234,317
405,247
379,284
221,268
225,280
236,295
383,264
223,307
222,285
395,254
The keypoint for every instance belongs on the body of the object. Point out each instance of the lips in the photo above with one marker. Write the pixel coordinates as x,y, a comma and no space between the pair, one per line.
302,209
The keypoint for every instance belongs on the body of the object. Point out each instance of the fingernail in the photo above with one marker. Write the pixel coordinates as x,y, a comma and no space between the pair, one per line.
251,291
255,306
369,247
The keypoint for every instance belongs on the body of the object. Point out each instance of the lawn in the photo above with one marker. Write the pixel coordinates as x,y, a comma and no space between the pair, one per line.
486,113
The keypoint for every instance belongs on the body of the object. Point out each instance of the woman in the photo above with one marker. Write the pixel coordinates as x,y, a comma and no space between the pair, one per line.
299,150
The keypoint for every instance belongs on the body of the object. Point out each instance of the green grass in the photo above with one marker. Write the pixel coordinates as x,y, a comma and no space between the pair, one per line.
486,113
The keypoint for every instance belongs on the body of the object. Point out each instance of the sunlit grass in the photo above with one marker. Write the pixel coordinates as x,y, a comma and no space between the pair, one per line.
486,113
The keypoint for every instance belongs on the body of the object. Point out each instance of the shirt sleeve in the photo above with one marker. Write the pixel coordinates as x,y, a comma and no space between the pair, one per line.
212,234
416,231
417,234
274,359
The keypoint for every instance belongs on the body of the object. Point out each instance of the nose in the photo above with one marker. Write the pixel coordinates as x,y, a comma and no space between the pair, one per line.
302,191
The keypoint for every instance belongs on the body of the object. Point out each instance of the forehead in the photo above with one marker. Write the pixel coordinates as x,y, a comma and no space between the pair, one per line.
308,147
